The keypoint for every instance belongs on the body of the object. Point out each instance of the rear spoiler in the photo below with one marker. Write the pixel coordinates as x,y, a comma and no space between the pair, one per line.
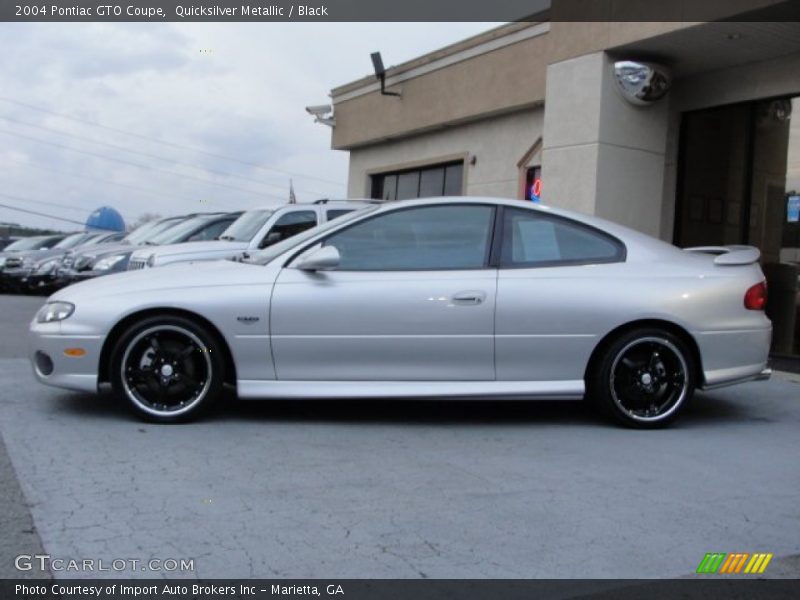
730,255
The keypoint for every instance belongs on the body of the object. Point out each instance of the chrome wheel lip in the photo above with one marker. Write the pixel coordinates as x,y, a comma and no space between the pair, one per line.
684,390
129,393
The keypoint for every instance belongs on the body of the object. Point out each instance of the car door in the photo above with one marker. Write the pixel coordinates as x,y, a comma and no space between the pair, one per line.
411,300
553,282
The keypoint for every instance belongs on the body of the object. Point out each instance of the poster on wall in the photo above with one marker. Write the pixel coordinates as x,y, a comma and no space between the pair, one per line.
792,209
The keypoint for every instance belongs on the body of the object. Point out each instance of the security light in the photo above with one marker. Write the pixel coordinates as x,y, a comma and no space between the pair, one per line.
380,73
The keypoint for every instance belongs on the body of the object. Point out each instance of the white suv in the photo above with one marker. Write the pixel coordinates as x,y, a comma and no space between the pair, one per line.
254,230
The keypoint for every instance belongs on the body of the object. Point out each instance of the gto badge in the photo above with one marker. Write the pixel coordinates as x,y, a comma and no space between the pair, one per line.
247,319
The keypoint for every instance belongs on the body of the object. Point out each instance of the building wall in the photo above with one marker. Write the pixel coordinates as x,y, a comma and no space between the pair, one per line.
505,79
498,144
602,154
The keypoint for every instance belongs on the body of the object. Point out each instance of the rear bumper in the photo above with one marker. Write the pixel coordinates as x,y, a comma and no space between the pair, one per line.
731,357
763,375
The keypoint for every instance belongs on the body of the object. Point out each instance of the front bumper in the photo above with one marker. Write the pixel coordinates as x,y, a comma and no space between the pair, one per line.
15,279
52,366
44,281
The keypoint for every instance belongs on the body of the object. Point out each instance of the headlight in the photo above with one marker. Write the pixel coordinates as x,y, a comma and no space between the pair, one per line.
54,311
47,266
151,260
104,264
2,262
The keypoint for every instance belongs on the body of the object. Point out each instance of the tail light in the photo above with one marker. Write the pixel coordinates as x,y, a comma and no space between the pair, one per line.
755,298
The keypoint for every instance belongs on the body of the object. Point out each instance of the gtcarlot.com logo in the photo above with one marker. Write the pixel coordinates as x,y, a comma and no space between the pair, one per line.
720,563
44,563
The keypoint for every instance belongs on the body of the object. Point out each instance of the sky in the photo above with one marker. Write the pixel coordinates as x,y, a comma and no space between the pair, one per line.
170,118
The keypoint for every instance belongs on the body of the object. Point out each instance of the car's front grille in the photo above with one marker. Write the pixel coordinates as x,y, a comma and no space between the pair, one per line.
13,262
66,262
135,264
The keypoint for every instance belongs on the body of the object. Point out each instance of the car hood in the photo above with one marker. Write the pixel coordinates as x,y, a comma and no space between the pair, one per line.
222,247
104,249
37,256
184,276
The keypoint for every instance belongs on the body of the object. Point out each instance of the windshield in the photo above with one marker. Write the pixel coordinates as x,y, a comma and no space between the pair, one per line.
245,227
181,231
262,257
71,241
158,228
135,236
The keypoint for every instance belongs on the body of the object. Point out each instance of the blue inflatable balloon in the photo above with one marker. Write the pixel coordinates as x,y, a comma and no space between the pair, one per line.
106,219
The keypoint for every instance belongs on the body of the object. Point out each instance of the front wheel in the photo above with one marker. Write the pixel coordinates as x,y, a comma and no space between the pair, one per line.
644,379
167,369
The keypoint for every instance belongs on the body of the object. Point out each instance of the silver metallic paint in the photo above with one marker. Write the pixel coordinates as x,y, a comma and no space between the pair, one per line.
405,334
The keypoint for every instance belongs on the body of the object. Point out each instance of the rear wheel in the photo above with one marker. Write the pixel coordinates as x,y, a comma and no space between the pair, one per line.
167,369
644,379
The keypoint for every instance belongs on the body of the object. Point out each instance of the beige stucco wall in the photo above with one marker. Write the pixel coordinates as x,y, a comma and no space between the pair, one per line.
503,80
602,155
497,144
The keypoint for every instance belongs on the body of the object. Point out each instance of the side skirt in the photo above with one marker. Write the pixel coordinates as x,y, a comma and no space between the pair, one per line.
456,390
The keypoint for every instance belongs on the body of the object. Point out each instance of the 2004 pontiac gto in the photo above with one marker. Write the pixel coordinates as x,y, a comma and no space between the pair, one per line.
443,298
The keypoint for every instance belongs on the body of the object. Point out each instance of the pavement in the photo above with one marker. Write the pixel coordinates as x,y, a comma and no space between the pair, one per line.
396,489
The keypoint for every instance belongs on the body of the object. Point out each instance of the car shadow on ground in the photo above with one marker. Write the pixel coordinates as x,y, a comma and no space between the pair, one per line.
707,409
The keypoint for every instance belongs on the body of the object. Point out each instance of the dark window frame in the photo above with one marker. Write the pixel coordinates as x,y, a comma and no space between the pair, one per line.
309,211
377,180
502,263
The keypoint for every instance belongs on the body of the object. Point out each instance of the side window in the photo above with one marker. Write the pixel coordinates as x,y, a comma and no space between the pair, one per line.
288,225
531,239
435,237
338,212
210,232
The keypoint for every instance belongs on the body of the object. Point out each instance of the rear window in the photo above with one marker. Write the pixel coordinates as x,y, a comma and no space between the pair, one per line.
531,239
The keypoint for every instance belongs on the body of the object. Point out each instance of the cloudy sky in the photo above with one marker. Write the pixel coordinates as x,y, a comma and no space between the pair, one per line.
175,103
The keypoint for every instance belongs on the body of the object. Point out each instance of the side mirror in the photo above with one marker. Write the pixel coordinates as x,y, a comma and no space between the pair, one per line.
322,259
271,238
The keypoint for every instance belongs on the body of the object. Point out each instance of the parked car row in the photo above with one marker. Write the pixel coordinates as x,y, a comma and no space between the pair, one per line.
44,264
48,263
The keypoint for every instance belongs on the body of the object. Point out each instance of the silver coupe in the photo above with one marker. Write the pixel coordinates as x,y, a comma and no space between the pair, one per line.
435,298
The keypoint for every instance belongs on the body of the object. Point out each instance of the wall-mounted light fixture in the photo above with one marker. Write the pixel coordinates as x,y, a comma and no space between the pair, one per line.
642,83
380,73
322,113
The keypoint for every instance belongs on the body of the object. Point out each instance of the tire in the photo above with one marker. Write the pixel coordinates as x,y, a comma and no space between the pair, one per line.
167,369
644,378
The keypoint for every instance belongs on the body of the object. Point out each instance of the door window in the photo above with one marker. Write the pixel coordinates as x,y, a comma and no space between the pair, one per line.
532,240
425,238
288,225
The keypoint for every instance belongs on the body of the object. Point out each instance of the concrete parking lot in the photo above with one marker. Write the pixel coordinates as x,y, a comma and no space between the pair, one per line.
397,489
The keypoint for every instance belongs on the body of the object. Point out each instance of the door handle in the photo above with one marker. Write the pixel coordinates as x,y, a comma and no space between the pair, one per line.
469,298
